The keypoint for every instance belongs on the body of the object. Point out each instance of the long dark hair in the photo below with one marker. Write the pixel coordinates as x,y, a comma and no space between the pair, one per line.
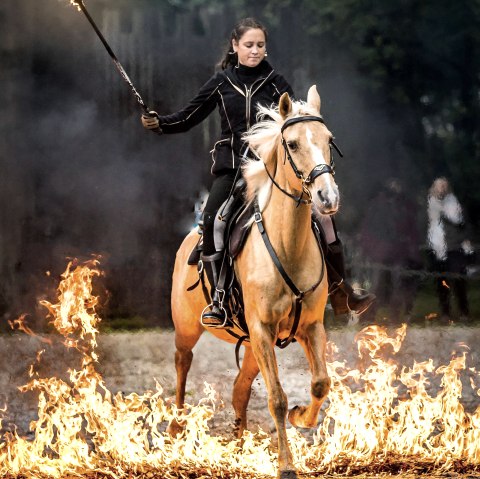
230,57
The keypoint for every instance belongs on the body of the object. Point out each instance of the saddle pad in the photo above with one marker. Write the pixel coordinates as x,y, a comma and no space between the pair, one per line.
194,257
240,231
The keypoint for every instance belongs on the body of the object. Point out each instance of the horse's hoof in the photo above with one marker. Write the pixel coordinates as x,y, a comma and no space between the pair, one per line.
290,474
295,416
174,428
238,428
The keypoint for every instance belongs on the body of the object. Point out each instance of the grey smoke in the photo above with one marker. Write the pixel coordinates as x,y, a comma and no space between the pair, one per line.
79,173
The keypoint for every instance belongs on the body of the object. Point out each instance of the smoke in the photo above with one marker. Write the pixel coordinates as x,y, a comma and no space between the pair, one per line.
80,175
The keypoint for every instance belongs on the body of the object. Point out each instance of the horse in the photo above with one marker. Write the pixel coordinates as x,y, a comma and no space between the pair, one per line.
293,176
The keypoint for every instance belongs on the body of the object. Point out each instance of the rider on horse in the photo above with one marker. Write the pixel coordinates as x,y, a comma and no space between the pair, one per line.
246,80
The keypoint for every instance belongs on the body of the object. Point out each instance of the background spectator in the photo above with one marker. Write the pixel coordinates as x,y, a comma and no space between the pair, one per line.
450,249
390,243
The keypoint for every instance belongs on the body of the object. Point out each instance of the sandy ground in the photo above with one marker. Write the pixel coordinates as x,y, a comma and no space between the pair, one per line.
131,362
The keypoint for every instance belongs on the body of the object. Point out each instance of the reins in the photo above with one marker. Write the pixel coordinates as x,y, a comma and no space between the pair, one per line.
299,199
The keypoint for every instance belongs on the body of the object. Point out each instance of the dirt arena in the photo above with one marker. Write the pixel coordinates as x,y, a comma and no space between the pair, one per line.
131,362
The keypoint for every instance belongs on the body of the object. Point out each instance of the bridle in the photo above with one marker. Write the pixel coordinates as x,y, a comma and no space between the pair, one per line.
316,171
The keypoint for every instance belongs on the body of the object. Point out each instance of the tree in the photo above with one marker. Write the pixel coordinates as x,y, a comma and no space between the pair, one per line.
424,59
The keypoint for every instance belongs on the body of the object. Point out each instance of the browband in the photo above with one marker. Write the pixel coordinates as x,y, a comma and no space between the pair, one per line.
298,119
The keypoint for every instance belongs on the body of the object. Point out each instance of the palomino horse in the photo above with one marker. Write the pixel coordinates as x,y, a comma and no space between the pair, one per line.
285,191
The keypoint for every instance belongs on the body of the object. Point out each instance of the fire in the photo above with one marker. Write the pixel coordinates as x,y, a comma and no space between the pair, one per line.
75,3
380,417
21,325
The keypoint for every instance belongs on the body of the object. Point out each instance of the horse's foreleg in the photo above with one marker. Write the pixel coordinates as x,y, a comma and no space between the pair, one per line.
242,389
183,361
262,341
314,343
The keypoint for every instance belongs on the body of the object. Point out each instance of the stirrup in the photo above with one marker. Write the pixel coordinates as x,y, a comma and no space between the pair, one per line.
345,301
334,287
367,300
216,321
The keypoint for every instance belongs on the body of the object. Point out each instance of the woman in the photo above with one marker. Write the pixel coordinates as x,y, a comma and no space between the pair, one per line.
451,250
246,80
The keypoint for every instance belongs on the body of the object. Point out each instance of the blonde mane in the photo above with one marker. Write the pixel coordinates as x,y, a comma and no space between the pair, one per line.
263,138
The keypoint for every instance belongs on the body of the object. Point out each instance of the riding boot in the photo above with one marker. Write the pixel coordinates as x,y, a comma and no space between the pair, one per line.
342,296
214,315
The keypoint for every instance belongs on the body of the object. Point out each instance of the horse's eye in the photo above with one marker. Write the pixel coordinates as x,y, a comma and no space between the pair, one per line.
292,145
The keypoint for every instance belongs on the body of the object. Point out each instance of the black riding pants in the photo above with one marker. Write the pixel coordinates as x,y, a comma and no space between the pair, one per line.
221,187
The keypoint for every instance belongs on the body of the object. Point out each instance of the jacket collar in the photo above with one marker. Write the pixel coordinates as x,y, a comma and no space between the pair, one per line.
262,71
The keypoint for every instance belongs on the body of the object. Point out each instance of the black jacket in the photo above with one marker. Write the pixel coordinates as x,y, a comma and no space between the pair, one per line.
236,92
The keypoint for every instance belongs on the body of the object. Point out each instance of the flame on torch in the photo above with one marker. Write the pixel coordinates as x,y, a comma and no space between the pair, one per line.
76,4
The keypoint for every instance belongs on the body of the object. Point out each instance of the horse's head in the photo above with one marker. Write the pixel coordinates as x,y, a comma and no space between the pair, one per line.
307,144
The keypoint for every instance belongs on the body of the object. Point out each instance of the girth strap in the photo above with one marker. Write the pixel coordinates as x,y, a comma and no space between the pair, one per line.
299,295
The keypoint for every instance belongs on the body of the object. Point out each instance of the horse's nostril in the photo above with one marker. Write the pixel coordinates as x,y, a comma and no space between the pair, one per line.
322,198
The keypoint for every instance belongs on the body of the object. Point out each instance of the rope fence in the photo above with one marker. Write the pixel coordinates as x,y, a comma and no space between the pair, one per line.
473,271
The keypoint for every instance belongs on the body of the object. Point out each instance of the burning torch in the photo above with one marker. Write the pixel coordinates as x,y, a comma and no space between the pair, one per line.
123,73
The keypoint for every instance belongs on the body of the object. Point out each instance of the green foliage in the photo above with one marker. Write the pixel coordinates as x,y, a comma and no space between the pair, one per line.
132,323
423,57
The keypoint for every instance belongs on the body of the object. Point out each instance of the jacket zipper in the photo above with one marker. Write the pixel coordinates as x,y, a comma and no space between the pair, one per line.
248,100
249,94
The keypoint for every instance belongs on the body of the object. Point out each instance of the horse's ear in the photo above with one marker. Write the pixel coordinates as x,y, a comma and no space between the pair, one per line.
285,105
313,98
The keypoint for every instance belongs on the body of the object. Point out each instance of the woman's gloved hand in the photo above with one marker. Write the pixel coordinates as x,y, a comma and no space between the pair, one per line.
150,121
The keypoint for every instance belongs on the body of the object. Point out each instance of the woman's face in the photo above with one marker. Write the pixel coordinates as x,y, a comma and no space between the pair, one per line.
251,47
440,188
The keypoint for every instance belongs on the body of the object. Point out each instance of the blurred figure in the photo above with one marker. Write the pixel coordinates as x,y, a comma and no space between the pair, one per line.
450,249
391,242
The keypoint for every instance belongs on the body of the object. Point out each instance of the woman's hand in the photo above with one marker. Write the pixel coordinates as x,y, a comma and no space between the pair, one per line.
150,121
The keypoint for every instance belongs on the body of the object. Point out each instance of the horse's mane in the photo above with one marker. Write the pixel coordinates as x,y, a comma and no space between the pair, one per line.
263,138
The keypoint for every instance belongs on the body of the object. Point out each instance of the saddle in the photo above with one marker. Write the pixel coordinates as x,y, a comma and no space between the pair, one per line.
230,233
230,226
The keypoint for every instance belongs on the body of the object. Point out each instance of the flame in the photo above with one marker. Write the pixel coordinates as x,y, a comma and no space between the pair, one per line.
75,3
445,284
21,324
380,417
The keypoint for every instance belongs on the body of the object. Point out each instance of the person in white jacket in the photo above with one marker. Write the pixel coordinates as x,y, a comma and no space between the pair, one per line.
449,245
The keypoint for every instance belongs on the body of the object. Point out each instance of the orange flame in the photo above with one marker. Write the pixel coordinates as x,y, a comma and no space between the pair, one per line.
380,417
75,4
21,324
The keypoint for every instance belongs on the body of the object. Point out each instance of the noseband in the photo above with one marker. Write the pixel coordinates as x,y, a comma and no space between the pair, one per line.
316,171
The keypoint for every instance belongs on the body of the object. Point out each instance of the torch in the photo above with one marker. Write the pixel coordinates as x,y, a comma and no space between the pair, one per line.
123,73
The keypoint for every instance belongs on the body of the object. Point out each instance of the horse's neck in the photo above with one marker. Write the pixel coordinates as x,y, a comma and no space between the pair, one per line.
289,225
